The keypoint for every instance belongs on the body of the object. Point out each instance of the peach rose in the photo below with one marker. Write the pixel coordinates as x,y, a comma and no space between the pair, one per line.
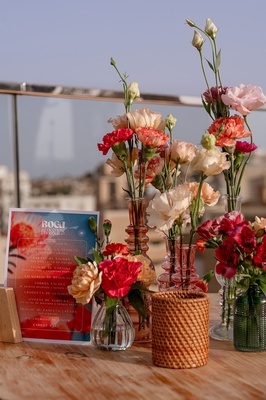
86,281
145,117
244,98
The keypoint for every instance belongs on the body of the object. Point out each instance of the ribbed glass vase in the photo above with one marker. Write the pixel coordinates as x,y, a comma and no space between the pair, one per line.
250,320
112,331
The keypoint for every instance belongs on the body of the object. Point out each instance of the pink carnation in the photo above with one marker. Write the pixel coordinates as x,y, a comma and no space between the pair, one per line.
244,98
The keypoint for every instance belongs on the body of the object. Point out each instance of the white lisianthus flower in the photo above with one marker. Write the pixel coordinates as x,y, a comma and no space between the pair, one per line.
210,162
170,122
166,207
144,117
210,28
197,40
85,282
133,92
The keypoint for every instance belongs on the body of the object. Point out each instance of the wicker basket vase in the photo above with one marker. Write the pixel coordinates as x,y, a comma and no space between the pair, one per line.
180,329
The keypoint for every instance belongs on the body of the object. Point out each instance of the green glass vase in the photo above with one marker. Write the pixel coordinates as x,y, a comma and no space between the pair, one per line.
249,327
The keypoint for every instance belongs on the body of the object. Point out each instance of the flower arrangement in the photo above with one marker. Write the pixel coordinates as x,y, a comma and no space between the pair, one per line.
218,100
240,248
135,141
113,274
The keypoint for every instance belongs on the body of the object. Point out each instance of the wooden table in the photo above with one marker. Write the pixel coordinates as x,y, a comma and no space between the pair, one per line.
37,371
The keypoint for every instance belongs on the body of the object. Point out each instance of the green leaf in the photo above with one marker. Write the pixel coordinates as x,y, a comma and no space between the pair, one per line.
136,300
262,286
110,304
80,260
210,65
218,60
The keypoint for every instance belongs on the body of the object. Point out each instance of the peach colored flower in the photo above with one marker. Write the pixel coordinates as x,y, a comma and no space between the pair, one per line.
151,137
208,195
154,168
259,223
244,98
119,122
146,275
228,129
210,162
182,152
145,117
118,167
85,282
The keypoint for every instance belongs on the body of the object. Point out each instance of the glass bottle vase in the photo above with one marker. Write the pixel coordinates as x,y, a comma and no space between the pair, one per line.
250,320
114,331
179,265
137,242
223,330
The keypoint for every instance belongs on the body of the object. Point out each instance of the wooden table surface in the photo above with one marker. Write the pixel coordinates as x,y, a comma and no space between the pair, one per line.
41,371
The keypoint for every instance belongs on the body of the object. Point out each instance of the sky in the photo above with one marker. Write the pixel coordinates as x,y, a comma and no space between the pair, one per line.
70,43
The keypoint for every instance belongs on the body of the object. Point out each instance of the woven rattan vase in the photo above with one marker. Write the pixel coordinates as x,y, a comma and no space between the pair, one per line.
180,329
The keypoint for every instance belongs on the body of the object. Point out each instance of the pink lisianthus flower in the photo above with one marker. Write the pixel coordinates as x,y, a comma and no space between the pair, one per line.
245,147
118,275
244,98
114,138
151,137
212,95
228,129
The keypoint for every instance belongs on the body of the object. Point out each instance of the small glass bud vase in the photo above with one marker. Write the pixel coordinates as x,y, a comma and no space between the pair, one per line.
113,331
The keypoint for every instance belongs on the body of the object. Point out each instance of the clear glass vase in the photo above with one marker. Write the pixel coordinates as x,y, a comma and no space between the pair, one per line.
137,242
113,331
223,330
250,320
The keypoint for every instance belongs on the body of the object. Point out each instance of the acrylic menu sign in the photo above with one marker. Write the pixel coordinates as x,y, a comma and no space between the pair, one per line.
40,264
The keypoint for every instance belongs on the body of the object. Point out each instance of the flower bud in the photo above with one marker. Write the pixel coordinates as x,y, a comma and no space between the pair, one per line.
170,122
208,141
197,40
107,226
93,224
133,92
210,28
190,23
